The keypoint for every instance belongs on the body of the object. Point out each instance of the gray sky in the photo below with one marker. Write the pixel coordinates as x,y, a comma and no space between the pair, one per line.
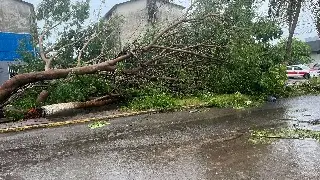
305,29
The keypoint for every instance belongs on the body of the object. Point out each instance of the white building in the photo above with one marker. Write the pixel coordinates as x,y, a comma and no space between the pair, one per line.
15,25
138,15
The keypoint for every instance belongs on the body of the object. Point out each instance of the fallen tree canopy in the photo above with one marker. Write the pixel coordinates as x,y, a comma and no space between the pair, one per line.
207,50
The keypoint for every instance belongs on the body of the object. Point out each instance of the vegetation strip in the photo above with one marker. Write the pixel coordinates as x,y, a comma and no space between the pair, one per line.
64,123
266,136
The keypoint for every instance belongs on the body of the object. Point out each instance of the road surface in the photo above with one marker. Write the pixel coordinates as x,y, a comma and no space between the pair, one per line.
205,144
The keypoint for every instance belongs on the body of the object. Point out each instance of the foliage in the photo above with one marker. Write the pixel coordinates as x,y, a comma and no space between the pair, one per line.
98,124
236,100
17,109
231,53
28,100
301,51
160,100
273,81
239,51
13,115
64,13
72,89
78,88
311,87
266,136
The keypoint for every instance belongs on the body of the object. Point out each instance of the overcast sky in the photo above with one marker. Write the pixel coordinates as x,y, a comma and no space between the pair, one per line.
305,29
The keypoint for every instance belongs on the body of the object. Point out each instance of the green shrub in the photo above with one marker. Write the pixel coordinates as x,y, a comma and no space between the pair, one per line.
273,81
28,100
74,88
236,100
13,115
77,88
158,101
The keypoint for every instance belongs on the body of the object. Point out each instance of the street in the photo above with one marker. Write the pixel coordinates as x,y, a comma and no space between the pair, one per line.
205,144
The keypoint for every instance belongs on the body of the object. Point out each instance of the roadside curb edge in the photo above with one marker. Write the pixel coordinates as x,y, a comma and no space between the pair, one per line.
79,121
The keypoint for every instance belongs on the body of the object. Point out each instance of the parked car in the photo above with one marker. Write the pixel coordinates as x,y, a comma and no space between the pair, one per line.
299,71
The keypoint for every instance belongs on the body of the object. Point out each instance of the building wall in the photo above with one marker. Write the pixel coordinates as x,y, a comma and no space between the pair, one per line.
315,57
134,20
15,18
4,71
168,13
134,16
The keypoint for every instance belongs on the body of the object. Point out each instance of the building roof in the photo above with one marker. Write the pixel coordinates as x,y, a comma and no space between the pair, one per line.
109,13
315,45
26,3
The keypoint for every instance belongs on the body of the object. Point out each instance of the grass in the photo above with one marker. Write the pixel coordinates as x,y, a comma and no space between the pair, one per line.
268,136
163,101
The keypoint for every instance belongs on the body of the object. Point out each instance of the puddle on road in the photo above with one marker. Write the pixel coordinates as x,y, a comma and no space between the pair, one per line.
240,159
302,117
304,111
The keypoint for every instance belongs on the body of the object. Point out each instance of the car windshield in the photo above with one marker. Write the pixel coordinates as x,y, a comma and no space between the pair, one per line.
303,67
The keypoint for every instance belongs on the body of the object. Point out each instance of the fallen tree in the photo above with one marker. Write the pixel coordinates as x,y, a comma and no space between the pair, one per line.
20,80
205,50
11,86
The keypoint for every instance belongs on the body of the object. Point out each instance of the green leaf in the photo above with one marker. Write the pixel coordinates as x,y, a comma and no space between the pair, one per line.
98,124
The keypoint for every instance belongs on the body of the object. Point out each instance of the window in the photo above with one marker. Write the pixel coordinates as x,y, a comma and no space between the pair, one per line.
304,67
12,73
297,68
289,68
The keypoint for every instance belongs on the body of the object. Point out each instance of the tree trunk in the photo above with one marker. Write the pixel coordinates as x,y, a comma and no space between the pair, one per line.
47,65
316,14
20,80
57,109
42,97
294,13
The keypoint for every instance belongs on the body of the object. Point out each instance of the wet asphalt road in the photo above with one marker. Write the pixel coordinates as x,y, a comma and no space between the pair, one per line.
210,144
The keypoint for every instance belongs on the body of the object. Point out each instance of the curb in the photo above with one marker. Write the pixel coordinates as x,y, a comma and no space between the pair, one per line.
79,121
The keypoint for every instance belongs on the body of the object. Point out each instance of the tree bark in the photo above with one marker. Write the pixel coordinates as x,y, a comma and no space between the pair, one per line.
42,97
316,14
56,109
13,84
294,13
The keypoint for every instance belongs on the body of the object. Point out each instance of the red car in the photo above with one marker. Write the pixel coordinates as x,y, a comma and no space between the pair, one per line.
301,71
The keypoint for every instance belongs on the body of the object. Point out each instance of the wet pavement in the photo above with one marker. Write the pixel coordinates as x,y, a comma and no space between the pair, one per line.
205,144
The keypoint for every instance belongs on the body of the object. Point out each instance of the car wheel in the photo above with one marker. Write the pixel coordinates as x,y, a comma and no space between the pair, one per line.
306,76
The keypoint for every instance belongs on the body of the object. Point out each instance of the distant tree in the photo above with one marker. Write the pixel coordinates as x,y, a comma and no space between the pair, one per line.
301,52
288,11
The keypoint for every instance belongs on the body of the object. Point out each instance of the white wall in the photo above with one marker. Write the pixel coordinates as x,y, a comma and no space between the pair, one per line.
15,16
315,57
168,13
135,18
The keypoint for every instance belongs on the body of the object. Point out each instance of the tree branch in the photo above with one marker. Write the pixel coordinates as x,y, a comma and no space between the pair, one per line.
93,36
180,50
